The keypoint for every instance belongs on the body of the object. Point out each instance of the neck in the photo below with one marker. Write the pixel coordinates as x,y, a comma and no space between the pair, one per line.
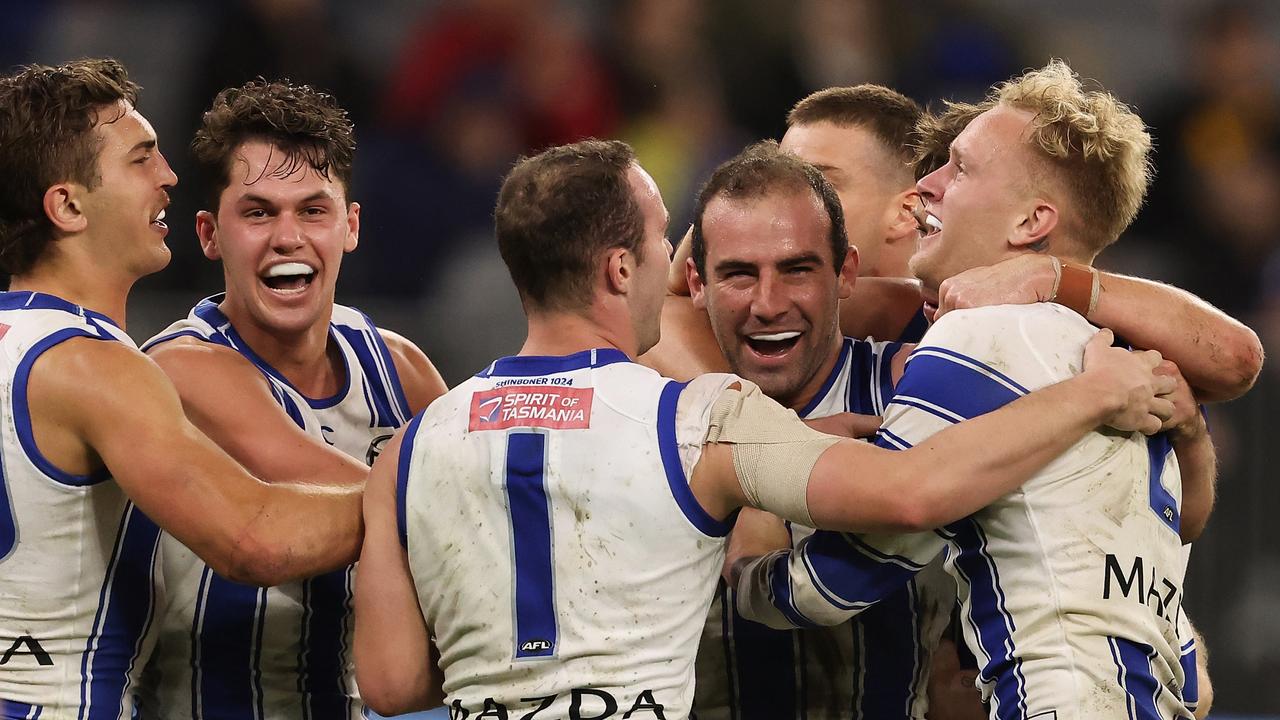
553,332
815,382
90,288
304,357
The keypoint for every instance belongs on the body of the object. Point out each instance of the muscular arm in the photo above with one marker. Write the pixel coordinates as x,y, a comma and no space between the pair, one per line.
396,662
228,399
96,403
1219,356
857,487
418,376
687,347
880,308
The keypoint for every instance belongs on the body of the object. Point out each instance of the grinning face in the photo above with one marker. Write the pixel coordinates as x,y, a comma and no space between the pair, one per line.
772,292
862,172
125,212
654,260
280,232
978,202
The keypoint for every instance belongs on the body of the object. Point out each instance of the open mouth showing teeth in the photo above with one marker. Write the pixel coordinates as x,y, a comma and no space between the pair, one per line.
289,277
158,221
931,225
773,344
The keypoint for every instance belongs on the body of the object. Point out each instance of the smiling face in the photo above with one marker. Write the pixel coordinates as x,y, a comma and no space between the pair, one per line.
978,202
125,210
771,290
281,236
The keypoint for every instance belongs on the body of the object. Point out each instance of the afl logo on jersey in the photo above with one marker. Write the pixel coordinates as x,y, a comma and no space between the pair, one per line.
544,406
375,448
533,646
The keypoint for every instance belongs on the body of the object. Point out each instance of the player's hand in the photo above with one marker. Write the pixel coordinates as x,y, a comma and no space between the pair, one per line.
1127,381
677,279
1186,421
755,533
1021,280
850,425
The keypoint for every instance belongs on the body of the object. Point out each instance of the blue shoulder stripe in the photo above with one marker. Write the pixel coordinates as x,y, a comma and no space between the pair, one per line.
402,478
676,480
953,386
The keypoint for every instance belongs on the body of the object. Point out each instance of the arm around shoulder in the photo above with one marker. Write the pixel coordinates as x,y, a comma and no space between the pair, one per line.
121,406
421,381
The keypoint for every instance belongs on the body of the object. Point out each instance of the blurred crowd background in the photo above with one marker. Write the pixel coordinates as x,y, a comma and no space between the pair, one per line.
447,93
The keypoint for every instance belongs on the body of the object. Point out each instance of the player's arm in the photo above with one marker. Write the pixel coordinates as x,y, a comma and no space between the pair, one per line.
418,376
134,424
1197,458
687,347
774,462
1219,355
952,694
396,662
880,307
1204,686
226,397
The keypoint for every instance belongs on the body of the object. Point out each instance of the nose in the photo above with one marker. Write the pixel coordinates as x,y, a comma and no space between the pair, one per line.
287,234
931,186
168,178
768,299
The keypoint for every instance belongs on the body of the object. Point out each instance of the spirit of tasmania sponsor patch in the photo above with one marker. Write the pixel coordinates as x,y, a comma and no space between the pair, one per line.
544,406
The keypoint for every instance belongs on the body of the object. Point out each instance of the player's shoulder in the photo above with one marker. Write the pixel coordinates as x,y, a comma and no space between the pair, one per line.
1038,342
191,359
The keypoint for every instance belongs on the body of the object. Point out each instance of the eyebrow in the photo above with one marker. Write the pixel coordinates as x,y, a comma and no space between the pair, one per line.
313,197
787,262
149,144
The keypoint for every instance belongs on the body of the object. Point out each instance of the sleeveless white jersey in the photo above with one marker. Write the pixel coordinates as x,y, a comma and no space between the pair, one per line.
872,666
559,556
228,650
1071,586
76,557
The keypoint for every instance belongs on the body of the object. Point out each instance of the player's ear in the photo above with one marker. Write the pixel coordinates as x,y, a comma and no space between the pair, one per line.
63,207
902,221
620,270
207,232
353,227
847,274
1034,227
696,286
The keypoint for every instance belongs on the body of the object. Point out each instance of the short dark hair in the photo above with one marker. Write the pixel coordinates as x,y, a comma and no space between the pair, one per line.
762,169
888,114
47,115
558,211
307,125
934,133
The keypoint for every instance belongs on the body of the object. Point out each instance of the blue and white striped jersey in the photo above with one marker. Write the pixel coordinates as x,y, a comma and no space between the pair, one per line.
76,556
872,666
227,650
559,555
1071,586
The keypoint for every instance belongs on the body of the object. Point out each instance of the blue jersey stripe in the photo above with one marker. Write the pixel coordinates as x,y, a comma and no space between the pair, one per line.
990,619
533,553
884,375
359,341
402,478
1191,676
861,370
22,411
323,667
676,479
11,710
780,593
8,519
845,572
915,329
392,385
965,387
1133,666
764,663
226,653
818,397
1163,504
534,365
890,629
125,607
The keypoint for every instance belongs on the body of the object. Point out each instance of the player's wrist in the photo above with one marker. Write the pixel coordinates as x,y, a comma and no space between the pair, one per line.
1076,287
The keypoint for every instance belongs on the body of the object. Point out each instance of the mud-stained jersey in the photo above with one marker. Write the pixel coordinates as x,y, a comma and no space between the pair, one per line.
76,557
227,650
559,555
1071,586
875,665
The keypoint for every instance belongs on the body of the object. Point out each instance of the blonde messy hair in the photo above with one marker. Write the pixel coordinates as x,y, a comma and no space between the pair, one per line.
1098,145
